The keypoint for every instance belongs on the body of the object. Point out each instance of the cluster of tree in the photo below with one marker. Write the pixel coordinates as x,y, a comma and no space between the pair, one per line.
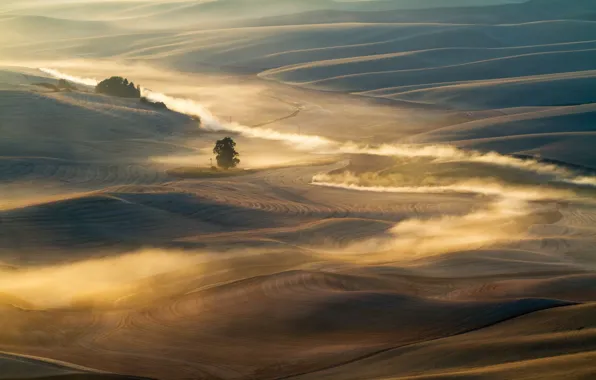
226,155
121,87
157,105
118,86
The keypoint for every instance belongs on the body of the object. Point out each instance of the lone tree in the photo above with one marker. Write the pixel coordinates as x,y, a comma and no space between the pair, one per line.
227,157
118,86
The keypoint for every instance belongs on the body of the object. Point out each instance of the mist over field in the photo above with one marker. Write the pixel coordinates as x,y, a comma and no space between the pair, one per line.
284,189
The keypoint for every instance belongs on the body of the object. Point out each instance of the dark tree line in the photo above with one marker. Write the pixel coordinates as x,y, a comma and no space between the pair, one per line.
157,105
118,86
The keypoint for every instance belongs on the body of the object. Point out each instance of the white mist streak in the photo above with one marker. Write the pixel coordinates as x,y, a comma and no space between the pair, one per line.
351,182
102,280
582,181
212,123
501,221
70,78
446,153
